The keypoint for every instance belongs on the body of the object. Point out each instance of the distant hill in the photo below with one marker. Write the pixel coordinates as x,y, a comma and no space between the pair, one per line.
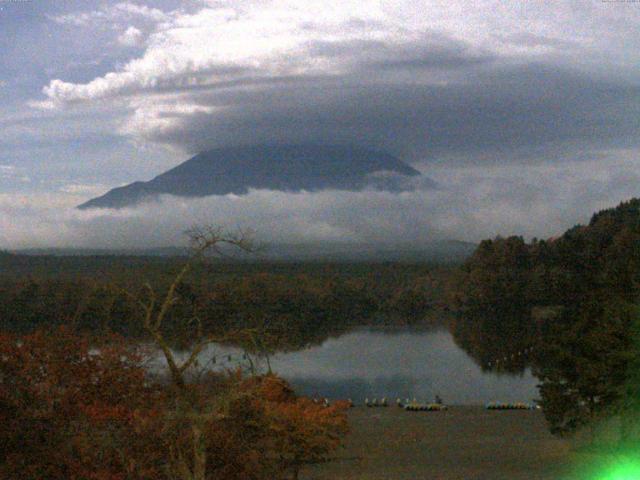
285,168
441,251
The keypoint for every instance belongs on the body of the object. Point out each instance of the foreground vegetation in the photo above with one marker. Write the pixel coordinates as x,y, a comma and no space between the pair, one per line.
70,412
74,407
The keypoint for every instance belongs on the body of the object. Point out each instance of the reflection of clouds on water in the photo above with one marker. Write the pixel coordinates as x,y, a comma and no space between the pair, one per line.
399,362
405,363
372,353
357,388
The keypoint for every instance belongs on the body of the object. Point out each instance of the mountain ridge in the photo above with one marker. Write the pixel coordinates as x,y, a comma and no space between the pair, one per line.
275,167
438,251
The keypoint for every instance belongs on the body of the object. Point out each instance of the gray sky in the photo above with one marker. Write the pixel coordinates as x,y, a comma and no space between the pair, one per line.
526,113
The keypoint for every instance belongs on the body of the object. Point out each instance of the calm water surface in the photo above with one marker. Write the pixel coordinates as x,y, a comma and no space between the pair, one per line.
398,362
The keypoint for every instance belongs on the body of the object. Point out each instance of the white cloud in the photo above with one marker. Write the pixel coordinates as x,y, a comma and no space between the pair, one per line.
213,44
129,9
472,203
131,37
272,38
83,189
117,12
10,172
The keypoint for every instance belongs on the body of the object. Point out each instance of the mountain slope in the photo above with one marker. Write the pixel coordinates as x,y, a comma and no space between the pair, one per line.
286,168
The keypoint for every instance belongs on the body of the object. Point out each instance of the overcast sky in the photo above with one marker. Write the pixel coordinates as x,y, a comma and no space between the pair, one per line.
526,113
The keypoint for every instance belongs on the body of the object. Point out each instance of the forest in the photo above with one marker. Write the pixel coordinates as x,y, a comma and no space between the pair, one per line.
566,307
294,303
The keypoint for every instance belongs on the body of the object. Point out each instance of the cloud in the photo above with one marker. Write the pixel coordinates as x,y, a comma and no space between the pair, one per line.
501,111
524,113
83,189
531,40
472,203
110,13
131,37
10,172
128,9
410,77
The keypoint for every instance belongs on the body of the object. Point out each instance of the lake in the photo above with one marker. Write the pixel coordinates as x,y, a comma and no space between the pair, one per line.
390,362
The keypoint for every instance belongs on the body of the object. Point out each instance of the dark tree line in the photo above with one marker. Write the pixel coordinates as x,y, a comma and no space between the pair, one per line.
295,305
571,302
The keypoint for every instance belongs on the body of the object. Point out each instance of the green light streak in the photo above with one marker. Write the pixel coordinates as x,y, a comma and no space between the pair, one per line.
613,466
626,470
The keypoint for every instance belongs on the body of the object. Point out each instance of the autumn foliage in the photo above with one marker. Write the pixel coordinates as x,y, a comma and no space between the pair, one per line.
74,410
66,410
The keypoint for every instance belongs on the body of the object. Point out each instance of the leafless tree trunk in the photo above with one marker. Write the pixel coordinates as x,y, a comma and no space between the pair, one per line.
204,240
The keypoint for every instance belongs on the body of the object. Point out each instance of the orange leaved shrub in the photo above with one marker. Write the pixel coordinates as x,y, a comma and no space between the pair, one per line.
75,411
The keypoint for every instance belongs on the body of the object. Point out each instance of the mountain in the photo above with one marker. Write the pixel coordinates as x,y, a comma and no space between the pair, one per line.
286,168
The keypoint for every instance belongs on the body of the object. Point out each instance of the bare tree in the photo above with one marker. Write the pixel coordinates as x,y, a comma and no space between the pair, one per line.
205,241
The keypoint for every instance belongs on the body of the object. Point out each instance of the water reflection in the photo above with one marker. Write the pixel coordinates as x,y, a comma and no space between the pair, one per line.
399,362
392,362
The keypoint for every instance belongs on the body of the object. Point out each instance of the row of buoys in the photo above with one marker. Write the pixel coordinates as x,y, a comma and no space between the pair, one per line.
425,407
383,402
376,403
438,406
402,404
325,402
415,406
510,406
